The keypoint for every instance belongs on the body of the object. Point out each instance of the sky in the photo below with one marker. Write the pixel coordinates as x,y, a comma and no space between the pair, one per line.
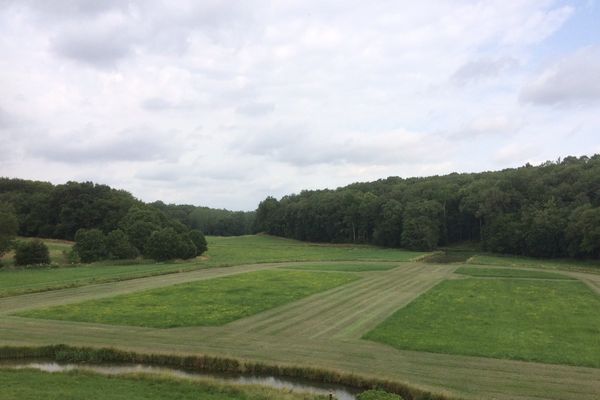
223,103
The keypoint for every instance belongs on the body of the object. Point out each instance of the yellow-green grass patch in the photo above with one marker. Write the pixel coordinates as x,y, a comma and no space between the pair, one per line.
534,320
205,303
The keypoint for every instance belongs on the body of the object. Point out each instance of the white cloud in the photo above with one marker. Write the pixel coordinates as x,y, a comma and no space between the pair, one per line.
575,79
288,95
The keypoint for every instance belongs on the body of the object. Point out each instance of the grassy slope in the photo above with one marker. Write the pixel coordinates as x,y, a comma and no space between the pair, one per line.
546,321
509,273
222,252
205,303
18,384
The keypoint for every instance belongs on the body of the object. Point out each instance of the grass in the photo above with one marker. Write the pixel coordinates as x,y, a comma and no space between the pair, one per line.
17,384
320,331
206,303
14,282
347,267
58,250
509,273
545,321
266,249
589,266
223,251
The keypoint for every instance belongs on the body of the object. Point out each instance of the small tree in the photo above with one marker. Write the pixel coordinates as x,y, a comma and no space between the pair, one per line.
119,247
34,252
185,248
162,245
167,244
197,237
90,244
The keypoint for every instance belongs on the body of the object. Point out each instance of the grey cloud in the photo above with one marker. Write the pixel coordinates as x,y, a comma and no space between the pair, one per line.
130,145
573,80
296,146
160,104
255,109
5,119
482,69
96,49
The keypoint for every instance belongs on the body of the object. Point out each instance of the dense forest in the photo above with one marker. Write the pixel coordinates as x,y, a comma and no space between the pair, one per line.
550,210
59,211
109,223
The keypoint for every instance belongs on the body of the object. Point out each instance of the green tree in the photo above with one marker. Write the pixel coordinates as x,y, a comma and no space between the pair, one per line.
90,245
162,245
32,252
198,239
9,226
139,223
421,225
119,247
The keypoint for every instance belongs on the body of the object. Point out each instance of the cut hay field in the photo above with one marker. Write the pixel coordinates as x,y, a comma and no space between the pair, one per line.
223,251
535,336
204,303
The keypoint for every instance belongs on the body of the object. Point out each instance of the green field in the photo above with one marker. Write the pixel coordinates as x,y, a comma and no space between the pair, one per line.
546,321
206,303
266,249
223,251
509,273
590,266
35,385
472,331
355,267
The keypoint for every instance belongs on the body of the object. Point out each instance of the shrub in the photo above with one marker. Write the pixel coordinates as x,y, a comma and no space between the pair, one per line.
33,252
119,247
197,237
90,244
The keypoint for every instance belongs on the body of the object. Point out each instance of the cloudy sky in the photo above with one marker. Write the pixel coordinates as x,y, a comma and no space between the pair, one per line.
221,103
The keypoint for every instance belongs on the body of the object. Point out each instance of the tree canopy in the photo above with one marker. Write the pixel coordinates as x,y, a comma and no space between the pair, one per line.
549,210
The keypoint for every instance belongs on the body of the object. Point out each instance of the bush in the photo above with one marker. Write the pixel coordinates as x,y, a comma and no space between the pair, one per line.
119,247
197,237
377,395
90,244
167,244
33,252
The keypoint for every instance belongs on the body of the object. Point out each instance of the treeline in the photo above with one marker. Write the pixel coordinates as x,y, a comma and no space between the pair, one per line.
211,221
110,223
550,210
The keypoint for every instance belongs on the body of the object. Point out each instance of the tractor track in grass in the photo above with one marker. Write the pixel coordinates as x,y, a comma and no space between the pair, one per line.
321,330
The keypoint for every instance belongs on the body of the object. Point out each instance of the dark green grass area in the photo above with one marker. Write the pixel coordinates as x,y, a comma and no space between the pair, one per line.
346,267
35,385
205,303
545,321
510,273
